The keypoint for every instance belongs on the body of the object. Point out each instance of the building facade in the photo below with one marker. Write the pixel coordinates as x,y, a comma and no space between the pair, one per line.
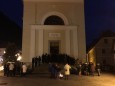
53,26
103,52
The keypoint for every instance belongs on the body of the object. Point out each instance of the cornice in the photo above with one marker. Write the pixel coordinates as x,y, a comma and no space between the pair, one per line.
53,0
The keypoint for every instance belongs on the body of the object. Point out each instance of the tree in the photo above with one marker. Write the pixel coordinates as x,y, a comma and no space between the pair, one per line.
11,51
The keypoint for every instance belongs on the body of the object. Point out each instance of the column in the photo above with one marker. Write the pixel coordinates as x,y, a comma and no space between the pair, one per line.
32,43
75,43
40,43
67,41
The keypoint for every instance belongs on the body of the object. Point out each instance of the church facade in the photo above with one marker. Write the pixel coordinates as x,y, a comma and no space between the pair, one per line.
53,26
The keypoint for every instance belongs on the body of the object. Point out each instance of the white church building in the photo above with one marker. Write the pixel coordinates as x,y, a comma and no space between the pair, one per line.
53,26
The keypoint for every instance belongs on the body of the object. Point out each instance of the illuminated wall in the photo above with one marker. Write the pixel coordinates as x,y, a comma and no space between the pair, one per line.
36,34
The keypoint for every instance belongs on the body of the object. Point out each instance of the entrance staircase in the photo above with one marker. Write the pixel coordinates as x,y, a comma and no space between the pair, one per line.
43,68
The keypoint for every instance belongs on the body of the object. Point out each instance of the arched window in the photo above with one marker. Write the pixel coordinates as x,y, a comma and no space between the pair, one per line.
54,20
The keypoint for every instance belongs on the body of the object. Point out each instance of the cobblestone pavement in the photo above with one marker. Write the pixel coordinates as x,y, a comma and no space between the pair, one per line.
44,80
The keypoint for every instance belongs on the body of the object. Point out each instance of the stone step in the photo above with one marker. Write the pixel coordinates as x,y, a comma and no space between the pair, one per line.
43,68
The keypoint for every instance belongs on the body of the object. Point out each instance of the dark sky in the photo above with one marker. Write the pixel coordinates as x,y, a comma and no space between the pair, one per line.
99,15
13,9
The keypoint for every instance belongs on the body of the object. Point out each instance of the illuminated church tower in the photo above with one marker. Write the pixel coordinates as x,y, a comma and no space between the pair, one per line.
53,26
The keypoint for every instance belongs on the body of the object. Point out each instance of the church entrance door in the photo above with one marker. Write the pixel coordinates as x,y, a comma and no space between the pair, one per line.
54,46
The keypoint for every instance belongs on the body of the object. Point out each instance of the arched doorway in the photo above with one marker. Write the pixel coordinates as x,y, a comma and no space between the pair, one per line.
54,45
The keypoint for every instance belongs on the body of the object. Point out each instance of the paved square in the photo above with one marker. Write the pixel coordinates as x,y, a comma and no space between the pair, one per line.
44,80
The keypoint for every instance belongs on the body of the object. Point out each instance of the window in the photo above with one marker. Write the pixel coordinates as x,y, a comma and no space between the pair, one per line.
54,20
103,51
106,41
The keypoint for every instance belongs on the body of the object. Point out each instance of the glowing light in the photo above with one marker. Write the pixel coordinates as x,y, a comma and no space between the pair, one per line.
1,68
19,58
4,52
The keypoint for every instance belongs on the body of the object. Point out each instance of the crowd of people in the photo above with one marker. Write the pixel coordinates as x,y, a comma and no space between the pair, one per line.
54,61
56,73
56,69
53,58
86,68
12,69
59,71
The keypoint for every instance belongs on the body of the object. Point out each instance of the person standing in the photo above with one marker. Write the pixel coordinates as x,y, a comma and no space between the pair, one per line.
79,69
92,69
39,61
11,69
67,68
24,69
5,69
98,69
33,62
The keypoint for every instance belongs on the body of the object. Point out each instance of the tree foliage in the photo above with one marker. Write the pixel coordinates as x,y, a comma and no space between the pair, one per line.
11,51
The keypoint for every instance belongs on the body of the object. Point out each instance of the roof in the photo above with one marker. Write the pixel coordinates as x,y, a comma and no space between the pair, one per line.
107,33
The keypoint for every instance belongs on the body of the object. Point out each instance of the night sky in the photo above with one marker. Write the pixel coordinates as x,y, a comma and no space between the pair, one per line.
99,15
13,9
